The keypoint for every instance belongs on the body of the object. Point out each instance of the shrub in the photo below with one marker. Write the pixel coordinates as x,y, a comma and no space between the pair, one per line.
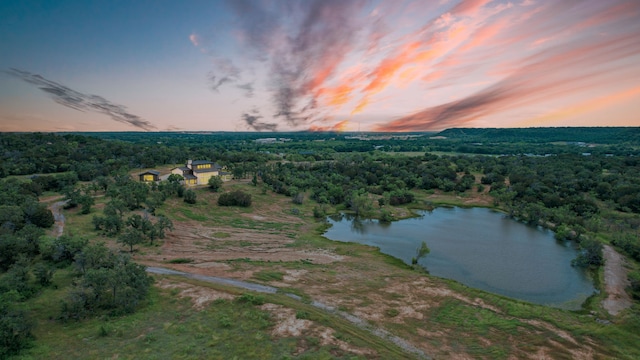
235,198
181,261
215,183
251,299
190,196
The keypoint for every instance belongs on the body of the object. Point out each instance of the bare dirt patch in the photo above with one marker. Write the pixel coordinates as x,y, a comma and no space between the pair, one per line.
470,199
615,281
208,253
288,325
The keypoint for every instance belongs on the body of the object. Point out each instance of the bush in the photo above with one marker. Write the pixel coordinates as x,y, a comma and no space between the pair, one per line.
190,196
235,198
180,261
319,212
251,299
590,254
301,314
628,243
386,216
400,197
215,183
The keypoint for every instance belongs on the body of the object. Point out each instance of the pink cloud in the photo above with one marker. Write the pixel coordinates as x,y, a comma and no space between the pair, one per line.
195,40
549,74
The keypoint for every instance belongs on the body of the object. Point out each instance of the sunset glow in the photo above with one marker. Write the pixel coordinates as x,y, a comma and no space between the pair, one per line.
315,65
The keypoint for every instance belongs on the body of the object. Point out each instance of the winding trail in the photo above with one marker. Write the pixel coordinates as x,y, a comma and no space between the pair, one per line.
381,333
58,217
615,281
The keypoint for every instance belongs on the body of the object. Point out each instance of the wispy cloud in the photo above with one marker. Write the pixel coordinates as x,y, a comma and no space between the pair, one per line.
252,121
224,72
555,72
324,57
247,88
82,102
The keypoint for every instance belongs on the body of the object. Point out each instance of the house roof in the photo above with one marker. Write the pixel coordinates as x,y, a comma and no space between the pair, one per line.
153,172
212,169
183,168
200,162
189,177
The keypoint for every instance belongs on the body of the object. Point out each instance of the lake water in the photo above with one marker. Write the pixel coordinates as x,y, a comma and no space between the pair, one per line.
480,248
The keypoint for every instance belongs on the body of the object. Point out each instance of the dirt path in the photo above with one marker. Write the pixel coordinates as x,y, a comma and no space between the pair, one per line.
58,216
615,280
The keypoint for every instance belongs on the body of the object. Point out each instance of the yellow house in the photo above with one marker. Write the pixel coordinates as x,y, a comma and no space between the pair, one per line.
199,172
149,176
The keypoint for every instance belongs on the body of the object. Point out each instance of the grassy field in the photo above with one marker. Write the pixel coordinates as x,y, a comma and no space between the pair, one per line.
279,243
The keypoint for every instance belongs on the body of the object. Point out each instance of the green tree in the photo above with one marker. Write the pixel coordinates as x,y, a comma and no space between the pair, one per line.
215,183
131,237
63,249
158,229
360,203
43,273
18,279
37,214
93,256
86,201
190,196
590,254
175,178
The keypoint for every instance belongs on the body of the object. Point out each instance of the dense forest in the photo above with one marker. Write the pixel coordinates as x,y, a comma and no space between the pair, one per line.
584,183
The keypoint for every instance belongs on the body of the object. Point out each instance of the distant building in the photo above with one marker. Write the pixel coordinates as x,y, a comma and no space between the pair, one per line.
149,176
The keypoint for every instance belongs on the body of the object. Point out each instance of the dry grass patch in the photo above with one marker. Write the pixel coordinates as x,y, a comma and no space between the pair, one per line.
200,296
288,324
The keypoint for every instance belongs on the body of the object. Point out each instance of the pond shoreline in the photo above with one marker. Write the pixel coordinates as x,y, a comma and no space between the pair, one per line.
481,248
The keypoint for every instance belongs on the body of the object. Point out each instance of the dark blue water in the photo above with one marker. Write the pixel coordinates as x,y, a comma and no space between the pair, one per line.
480,248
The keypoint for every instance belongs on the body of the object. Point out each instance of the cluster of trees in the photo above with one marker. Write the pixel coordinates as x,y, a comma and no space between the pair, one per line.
107,282
22,220
392,177
128,195
90,155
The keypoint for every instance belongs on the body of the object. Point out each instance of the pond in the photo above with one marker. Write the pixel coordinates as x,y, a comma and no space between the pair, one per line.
480,248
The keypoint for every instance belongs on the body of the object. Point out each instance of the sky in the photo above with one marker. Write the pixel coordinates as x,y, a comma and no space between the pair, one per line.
323,65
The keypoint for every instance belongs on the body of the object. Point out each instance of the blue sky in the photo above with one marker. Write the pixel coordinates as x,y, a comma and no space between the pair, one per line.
319,65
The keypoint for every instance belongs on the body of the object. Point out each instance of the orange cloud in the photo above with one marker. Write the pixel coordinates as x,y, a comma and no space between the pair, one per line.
340,126
584,107
361,105
337,95
544,76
